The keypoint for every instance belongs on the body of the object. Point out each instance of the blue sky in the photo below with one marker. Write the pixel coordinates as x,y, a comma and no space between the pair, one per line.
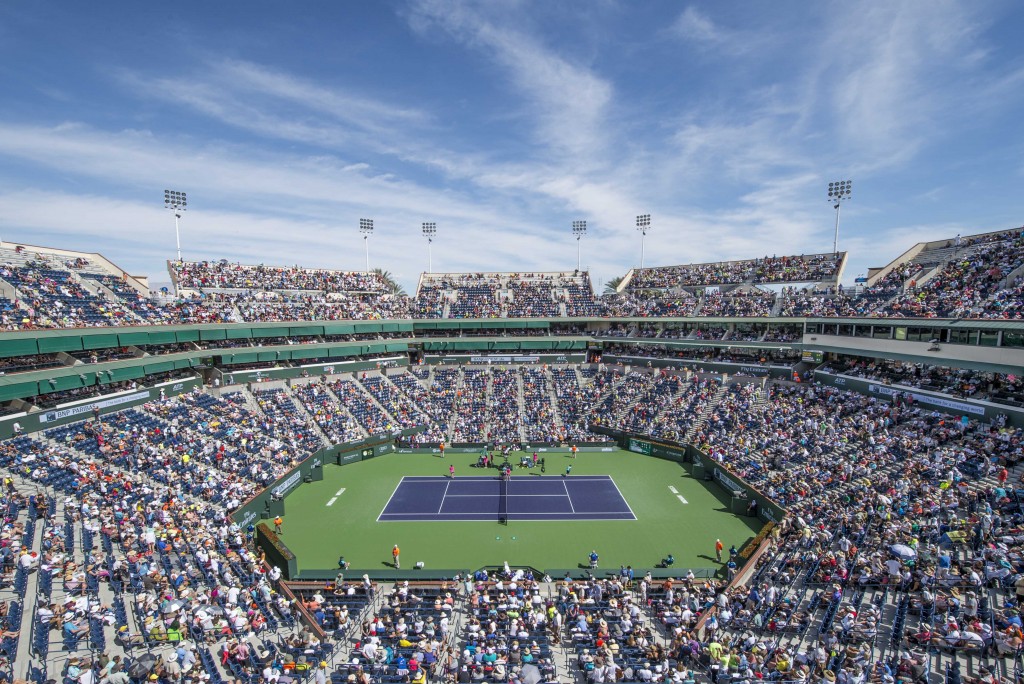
503,122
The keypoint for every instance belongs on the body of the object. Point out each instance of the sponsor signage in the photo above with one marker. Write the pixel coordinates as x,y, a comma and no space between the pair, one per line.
484,359
959,406
504,359
287,484
51,416
640,446
727,482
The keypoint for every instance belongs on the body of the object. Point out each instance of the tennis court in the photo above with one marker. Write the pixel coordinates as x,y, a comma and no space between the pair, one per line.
339,515
532,497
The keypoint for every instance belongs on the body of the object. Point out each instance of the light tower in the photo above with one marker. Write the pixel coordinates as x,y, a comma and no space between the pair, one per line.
579,229
176,202
643,224
366,228
429,231
837,192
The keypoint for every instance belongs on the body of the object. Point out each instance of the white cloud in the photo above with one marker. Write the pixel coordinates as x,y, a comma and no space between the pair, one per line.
568,102
730,170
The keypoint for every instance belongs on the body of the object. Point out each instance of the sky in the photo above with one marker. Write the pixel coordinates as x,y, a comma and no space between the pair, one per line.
503,121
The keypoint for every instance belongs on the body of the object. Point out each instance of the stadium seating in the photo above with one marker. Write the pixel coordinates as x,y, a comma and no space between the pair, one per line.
775,269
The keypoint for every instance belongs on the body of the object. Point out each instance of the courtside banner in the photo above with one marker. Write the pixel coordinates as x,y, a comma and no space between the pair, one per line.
51,416
928,399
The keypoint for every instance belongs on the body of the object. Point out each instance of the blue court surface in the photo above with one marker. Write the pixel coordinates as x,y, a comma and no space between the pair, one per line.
428,499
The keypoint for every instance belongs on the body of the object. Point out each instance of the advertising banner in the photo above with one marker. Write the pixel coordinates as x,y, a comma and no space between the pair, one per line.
57,414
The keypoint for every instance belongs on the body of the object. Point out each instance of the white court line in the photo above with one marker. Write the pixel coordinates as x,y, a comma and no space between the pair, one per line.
443,496
515,478
340,492
452,496
391,497
673,489
568,497
409,515
680,497
331,502
612,480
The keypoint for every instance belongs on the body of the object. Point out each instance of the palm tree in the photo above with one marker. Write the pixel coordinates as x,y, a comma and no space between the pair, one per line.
612,285
389,280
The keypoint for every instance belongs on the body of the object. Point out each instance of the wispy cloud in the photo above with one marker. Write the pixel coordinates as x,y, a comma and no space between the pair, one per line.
285,106
698,29
567,102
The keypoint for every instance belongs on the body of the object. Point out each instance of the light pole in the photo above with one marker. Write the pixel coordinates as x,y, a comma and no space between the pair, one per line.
837,192
429,231
643,224
176,202
366,228
579,229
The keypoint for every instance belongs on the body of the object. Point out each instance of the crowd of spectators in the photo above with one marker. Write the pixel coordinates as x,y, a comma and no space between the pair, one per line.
960,382
773,269
746,303
973,283
649,303
145,493
222,275
333,420
858,474
969,285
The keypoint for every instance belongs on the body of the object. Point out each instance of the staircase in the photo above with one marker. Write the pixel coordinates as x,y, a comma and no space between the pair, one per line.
344,409
376,402
521,403
460,388
250,400
705,414
553,399
373,399
489,402
310,421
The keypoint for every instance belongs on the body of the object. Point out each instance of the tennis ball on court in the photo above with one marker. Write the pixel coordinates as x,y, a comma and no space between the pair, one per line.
498,538
513,538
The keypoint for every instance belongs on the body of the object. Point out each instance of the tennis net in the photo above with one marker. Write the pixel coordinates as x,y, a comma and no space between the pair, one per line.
503,499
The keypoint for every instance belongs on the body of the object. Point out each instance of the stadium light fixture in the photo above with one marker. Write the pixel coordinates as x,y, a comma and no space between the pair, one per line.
837,192
643,224
366,228
579,229
176,202
429,231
